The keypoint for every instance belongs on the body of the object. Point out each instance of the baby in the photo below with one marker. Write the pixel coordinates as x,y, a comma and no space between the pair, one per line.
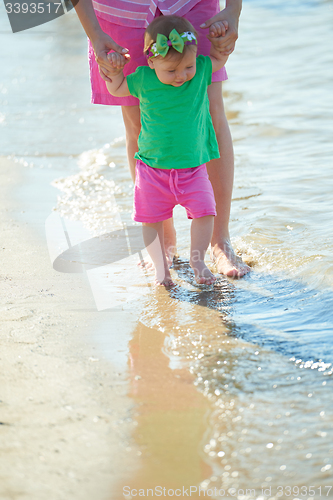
177,137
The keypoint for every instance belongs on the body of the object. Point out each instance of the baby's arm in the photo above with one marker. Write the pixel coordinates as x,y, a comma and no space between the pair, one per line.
218,59
117,86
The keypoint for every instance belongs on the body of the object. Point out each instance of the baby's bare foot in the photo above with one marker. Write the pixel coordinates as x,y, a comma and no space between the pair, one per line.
203,276
167,282
163,277
146,264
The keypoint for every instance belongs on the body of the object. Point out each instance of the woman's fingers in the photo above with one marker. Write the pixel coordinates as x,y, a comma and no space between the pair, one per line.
103,74
221,45
229,51
102,46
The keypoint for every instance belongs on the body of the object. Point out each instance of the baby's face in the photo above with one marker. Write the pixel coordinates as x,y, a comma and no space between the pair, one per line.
174,71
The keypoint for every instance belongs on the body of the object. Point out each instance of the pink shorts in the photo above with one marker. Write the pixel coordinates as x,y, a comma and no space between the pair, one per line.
132,39
157,191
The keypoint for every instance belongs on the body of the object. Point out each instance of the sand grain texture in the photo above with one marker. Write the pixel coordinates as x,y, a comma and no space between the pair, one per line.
62,406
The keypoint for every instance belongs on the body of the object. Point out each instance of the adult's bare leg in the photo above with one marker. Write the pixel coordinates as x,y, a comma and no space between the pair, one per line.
131,117
221,175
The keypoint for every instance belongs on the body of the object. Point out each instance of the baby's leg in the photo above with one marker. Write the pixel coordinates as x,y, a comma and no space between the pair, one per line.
169,245
154,241
201,233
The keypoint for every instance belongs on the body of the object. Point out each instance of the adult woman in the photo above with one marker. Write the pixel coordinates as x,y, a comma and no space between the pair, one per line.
126,21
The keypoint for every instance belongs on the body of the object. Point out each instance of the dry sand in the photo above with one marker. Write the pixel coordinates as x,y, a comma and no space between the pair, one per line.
63,408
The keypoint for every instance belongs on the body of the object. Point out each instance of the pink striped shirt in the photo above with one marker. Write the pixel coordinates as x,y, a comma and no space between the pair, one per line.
139,13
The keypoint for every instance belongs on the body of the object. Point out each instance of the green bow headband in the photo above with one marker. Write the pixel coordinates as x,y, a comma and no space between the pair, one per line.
177,41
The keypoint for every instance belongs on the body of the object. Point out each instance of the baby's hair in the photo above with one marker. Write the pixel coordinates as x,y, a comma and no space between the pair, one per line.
164,25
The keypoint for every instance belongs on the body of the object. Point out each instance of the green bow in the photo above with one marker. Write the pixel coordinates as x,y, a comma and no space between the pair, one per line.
162,45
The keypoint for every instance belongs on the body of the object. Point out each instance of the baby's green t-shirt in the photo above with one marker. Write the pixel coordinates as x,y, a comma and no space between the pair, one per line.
176,126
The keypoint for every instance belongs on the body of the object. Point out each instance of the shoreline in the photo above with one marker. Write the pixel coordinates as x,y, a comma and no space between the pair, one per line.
92,403
62,402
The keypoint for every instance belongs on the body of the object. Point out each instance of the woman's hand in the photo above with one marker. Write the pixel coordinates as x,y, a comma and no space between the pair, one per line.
102,45
225,43
101,42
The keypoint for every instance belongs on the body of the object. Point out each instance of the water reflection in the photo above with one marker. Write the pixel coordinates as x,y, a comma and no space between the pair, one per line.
169,413
267,414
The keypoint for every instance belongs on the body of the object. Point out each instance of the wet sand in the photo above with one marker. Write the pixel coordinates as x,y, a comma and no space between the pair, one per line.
63,408
74,425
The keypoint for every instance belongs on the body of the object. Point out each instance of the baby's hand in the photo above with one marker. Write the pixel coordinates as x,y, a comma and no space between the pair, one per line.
218,29
117,62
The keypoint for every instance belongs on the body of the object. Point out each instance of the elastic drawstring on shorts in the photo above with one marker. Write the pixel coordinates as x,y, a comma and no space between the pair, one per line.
173,183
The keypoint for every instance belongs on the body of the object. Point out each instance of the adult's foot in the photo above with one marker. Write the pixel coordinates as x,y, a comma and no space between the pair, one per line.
203,276
227,262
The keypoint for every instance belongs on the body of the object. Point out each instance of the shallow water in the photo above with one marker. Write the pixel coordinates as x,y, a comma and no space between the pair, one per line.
259,349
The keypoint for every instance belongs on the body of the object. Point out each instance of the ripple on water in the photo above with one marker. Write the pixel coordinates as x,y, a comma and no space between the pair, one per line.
268,417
